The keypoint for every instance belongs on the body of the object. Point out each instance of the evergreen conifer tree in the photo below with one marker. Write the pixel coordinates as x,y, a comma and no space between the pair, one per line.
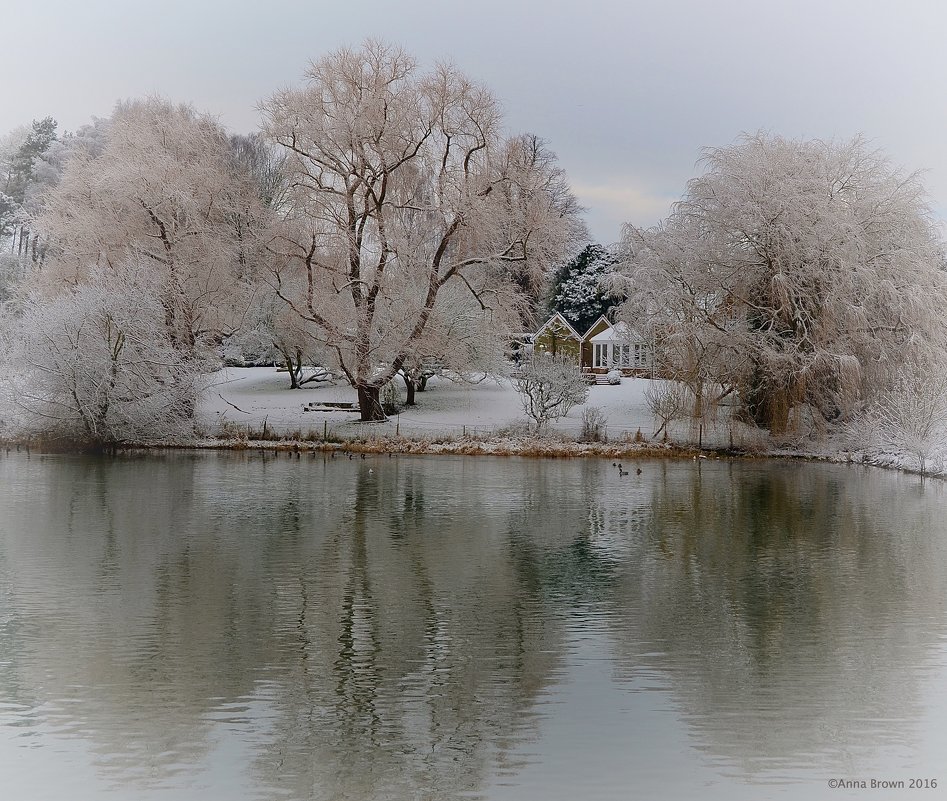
577,293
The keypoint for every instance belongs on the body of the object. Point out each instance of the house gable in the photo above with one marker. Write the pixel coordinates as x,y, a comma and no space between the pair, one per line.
600,325
556,336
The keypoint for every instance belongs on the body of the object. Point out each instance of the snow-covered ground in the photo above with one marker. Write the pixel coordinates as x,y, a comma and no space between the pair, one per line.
239,402
249,396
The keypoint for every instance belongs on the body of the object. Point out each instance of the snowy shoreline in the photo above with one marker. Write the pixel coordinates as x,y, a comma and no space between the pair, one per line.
528,447
252,409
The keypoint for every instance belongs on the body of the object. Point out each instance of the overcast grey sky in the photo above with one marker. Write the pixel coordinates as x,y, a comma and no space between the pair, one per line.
627,93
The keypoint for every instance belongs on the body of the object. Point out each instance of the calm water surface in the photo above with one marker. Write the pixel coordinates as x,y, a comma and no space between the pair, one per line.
228,626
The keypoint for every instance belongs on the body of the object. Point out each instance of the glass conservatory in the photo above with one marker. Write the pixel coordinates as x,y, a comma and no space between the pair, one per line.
617,347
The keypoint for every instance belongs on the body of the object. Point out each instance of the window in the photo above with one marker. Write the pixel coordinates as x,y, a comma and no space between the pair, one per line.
600,358
641,355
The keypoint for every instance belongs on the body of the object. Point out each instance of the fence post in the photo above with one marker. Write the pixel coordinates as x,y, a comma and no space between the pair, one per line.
325,430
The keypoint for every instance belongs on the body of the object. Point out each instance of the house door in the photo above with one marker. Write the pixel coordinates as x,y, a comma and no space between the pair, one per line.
600,358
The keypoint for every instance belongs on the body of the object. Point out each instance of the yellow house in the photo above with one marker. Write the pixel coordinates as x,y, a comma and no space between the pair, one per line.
556,337
604,347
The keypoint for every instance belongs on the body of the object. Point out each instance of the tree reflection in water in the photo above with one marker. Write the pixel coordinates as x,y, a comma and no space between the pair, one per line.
325,628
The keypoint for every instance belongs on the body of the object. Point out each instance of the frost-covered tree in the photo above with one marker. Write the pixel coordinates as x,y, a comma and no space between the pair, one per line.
42,133
27,251
910,417
401,186
795,272
166,189
14,269
668,401
49,166
96,365
263,164
549,386
461,341
10,206
21,154
578,291
271,333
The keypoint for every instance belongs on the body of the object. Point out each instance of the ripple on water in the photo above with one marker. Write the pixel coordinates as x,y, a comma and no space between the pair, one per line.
219,627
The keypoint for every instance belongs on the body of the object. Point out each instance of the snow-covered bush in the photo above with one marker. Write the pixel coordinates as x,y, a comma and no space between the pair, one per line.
549,386
96,366
907,420
593,424
668,401
614,377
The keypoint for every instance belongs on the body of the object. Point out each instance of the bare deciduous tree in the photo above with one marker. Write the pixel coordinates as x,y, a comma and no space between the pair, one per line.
460,341
401,187
668,401
549,386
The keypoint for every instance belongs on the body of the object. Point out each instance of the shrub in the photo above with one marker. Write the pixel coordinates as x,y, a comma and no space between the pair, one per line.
593,424
96,366
549,386
668,401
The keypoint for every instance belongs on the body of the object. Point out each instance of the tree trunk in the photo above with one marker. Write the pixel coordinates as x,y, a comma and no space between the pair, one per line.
422,383
769,407
369,403
410,385
294,366
291,369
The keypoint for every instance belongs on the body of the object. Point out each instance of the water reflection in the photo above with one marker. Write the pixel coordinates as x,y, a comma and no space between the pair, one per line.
234,626
791,606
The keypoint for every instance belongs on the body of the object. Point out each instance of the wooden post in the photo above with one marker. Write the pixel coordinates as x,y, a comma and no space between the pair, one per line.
325,430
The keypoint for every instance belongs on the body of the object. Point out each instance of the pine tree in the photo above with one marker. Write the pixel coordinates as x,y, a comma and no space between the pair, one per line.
42,135
577,293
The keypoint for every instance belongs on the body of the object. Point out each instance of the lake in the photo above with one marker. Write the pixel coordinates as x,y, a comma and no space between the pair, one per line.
200,625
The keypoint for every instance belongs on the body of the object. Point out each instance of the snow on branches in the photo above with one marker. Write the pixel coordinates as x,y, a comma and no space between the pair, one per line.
406,205
97,366
796,272
909,419
549,387
166,188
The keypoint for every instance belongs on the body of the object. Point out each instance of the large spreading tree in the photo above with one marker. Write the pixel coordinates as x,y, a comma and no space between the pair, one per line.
405,205
168,190
797,273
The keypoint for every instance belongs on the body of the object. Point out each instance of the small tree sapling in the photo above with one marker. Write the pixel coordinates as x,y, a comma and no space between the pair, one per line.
549,386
